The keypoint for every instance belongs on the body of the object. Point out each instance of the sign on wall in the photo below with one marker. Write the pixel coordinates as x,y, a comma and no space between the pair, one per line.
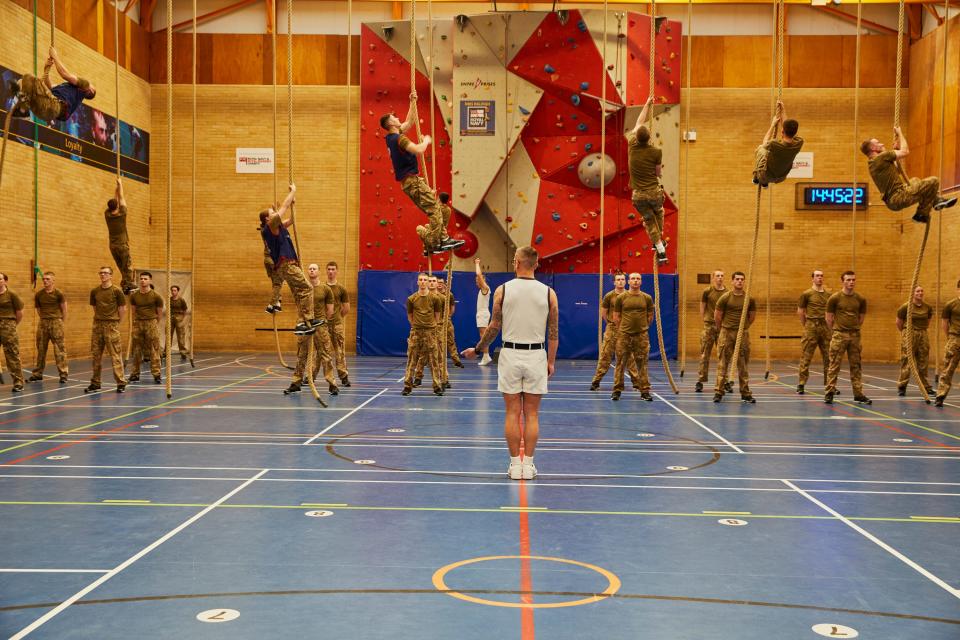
478,118
254,160
802,165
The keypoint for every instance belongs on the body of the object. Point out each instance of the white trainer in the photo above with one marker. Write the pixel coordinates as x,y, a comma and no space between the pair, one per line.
485,360
515,470
528,470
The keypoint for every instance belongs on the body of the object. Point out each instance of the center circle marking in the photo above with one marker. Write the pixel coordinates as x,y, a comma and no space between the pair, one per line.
440,584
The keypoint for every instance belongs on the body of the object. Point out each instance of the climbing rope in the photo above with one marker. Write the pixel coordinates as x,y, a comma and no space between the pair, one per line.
856,138
169,315
776,94
684,198
193,184
296,240
603,175
348,155
446,318
943,109
413,85
656,266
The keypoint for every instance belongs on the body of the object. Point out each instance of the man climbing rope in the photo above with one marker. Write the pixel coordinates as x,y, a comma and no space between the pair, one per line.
116,218
774,156
898,192
286,263
276,280
46,101
646,166
404,155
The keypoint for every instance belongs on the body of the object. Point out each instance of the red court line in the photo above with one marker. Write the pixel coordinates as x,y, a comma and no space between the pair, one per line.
87,397
527,629
67,445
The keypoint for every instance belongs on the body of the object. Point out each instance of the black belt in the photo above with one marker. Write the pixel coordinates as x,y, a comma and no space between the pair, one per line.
523,347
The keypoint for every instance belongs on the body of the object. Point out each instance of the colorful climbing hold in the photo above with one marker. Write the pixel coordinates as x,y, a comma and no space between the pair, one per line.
538,239
383,222
587,147
556,216
575,99
584,86
548,69
582,126
524,111
582,25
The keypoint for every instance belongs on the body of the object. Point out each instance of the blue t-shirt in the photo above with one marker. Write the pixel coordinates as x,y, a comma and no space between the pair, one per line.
281,246
404,162
71,95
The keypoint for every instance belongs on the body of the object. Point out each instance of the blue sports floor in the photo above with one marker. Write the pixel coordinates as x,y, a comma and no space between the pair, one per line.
234,512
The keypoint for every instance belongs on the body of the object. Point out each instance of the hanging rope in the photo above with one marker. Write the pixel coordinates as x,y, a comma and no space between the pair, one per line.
413,84
348,155
685,197
603,175
169,315
446,319
776,94
856,138
193,185
656,266
116,76
943,109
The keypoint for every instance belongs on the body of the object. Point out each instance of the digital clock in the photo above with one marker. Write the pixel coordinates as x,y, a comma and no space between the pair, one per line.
831,195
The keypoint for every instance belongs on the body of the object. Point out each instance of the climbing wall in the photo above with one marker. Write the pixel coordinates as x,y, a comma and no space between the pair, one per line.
521,99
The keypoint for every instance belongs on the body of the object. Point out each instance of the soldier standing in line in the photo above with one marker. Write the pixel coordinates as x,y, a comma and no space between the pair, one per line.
147,310
451,335
812,309
424,314
727,317
51,306
109,308
709,335
341,307
608,347
11,314
846,310
950,321
918,342
633,313
323,350
178,317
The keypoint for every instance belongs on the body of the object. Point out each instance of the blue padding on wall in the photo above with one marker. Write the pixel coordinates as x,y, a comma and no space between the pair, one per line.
382,326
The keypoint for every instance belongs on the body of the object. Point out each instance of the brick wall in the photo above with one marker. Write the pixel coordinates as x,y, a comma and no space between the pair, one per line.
72,196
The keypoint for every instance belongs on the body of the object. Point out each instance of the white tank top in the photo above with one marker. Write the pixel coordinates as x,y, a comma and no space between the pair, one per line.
526,305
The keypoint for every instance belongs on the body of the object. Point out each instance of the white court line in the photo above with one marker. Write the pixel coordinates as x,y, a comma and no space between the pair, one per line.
839,378
36,624
877,541
700,424
360,406
54,570
34,406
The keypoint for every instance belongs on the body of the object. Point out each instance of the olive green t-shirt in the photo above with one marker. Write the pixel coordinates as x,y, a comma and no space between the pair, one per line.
643,165
322,296
117,225
921,315
636,312
731,306
846,310
146,305
608,302
178,307
814,303
339,298
883,170
48,304
951,313
10,303
107,302
780,157
709,299
423,308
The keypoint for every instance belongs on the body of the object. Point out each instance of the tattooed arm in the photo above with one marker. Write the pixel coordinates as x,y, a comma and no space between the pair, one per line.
553,332
493,328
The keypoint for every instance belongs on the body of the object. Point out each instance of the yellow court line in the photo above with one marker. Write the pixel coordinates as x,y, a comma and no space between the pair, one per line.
937,518
322,504
525,508
126,501
729,513
882,415
127,415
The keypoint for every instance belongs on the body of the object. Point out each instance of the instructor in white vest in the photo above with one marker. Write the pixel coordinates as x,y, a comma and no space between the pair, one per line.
528,312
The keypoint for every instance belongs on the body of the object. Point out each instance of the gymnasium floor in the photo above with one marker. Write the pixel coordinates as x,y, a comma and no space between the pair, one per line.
235,512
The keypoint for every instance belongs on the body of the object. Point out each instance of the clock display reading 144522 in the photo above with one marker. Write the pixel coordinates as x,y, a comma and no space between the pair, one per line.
831,195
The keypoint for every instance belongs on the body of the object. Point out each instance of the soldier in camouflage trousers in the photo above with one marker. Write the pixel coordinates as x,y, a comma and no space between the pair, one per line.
11,314
51,306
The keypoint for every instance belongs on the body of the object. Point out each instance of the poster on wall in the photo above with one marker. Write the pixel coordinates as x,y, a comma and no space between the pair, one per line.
254,160
478,118
88,136
802,165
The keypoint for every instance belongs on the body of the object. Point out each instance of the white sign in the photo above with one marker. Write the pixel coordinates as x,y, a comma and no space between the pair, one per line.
254,160
802,165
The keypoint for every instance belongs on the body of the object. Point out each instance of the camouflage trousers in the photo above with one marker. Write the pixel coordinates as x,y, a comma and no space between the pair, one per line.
608,349
708,341
121,255
106,335
179,329
322,356
816,335
923,193
649,204
921,353
11,349
634,349
423,196
51,330
951,358
761,160
442,371
431,235
423,342
845,342
145,340
39,98
338,356
292,274
726,345
276,281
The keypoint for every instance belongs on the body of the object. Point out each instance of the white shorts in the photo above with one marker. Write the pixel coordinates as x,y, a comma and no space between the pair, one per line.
522,371
483,309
